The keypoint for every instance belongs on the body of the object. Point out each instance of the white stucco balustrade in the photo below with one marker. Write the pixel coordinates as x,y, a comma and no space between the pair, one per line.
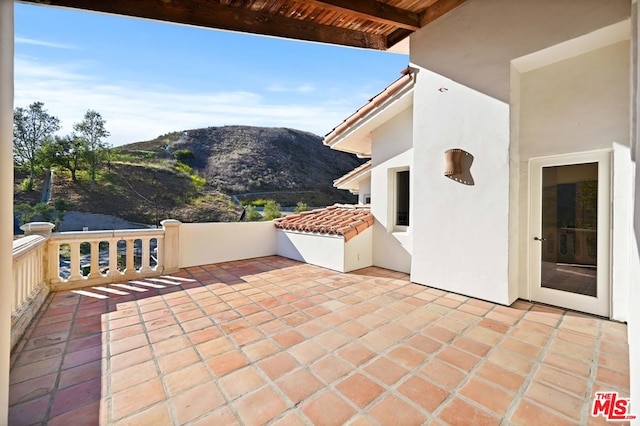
28,271
111,257
36,263
29,288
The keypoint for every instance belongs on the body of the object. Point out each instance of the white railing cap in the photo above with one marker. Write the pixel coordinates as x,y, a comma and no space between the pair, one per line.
98,235
25,244
170,222
37,228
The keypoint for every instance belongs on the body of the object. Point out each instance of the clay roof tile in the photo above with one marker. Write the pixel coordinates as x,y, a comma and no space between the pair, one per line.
345,220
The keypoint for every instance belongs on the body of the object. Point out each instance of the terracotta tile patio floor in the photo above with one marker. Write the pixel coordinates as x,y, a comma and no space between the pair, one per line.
273,341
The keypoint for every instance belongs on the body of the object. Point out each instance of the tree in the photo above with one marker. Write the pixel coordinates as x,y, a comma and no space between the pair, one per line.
26,212
92,131
32,127
66,152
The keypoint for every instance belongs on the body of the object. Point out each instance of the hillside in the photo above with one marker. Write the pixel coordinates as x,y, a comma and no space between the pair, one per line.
242,159
194,176
144,194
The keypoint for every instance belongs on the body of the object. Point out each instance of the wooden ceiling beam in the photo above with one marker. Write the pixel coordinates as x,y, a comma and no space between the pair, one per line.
397,36
374,11
210,14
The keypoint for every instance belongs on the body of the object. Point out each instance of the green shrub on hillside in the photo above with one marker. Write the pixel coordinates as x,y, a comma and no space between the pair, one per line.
301,207
271,210
26,185
184,168
261,202
184,156
251,214
198,182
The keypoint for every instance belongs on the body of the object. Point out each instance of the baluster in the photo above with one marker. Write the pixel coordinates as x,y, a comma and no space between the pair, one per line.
24,284
145,246
113,258
17,283
54,262
130,267
22,278
95,258
23,281
30,278
33,258
76,274
38,265
160,253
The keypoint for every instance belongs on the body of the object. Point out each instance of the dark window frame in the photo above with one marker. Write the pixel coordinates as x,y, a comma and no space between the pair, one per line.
402,199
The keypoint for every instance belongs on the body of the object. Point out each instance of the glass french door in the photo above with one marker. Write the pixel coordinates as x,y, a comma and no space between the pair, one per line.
569,231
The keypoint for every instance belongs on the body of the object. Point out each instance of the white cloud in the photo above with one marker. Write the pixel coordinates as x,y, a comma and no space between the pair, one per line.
135,111
43,43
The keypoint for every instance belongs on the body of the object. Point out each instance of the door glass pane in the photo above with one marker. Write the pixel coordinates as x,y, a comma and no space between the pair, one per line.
569,228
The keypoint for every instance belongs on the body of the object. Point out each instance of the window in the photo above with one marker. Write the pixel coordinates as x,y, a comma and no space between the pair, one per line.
402,198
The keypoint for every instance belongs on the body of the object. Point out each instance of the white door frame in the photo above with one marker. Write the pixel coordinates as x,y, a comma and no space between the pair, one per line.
600,305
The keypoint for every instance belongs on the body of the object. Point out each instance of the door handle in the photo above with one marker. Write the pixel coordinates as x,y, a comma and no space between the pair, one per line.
539,239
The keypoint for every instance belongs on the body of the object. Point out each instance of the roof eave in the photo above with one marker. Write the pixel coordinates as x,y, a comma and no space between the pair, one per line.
353,135
351,180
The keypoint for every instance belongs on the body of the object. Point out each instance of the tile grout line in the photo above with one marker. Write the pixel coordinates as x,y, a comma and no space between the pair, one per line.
24,340
136,304
471,373
202,360
520,395
591,379
62,358
229,403
306,366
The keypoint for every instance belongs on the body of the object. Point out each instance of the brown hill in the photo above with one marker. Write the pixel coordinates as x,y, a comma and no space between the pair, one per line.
243,159
195,175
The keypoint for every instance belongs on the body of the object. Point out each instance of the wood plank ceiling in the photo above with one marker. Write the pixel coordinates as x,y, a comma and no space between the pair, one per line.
371,24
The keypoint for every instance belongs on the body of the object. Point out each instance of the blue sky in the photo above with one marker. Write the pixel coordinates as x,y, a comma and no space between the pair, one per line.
148,78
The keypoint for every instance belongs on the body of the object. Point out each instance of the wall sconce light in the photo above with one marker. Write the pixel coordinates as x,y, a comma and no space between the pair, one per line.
457,166
452,164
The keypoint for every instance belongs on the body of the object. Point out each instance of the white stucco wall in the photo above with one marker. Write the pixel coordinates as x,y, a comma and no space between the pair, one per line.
358,251
474,43
391,150
327,251
575,105
460,232
364,190
622,232
205,243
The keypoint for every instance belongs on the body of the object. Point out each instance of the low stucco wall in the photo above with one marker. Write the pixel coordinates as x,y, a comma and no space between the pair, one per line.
206,243
359,251
327,251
